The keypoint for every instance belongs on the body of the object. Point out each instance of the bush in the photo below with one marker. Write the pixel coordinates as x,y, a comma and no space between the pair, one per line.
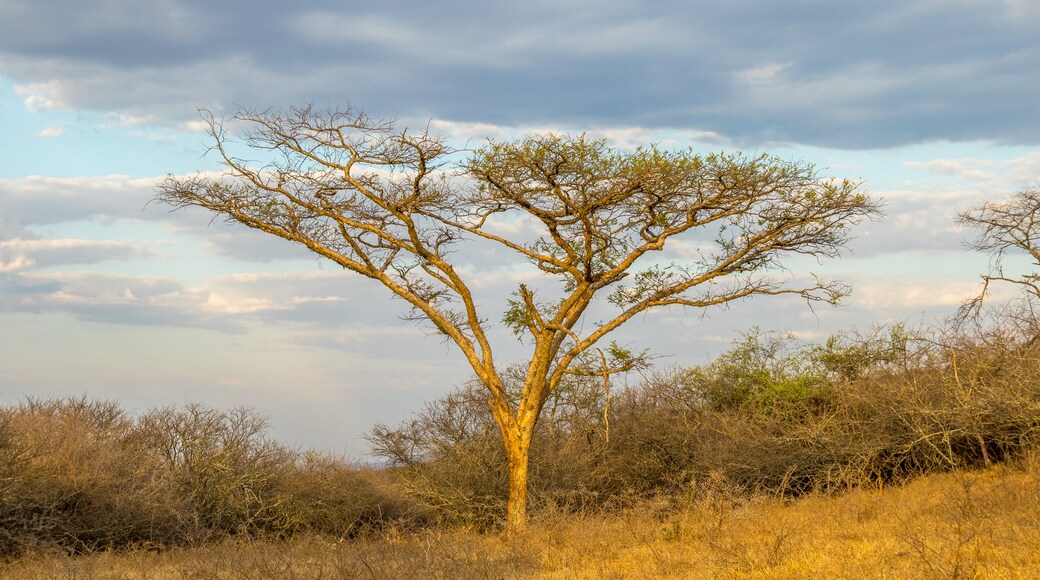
764,372
79,475
222,466
72,478
773,415
323,494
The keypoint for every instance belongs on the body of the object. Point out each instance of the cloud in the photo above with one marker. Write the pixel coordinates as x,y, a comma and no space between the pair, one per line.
16,263
23,254
975,170
896,295
226,303
42,96
233,241
51,132
753,72
108,298
761,75
107,289
921,215
1025,170
266,293
38,200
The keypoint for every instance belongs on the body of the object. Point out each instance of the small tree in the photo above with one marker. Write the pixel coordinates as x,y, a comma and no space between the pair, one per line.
1010,226
382,202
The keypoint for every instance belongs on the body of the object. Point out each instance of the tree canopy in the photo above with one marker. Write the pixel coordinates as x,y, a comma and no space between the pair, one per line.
393,204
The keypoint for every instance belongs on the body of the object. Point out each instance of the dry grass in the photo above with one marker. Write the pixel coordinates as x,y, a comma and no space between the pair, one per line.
981,524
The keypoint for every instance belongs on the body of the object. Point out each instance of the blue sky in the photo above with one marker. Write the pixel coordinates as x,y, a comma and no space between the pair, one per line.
931,104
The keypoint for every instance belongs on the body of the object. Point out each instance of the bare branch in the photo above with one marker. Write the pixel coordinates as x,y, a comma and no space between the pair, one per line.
1005,227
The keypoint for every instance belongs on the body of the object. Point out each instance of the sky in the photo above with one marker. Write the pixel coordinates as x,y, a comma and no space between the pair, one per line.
930,104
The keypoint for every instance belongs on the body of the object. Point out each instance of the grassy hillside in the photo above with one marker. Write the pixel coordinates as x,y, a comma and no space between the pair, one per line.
979,524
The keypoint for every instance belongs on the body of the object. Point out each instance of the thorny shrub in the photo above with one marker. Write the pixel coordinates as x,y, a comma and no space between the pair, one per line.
773,415
79,475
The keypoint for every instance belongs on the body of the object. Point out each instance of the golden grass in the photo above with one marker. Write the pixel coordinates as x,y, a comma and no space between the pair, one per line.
983,524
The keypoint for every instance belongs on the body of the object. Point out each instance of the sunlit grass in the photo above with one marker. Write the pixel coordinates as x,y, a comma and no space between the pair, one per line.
981,524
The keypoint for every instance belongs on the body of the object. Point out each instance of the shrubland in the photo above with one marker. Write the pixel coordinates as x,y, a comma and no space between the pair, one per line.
773,419
81,476
962,524
773,415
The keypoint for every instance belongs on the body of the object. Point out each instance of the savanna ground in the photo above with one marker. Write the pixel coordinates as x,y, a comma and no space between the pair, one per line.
966,524
896,453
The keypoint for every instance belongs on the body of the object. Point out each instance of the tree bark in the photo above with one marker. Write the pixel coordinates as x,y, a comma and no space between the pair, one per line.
516,508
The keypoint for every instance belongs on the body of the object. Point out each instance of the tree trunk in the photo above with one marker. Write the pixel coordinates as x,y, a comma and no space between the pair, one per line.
516,509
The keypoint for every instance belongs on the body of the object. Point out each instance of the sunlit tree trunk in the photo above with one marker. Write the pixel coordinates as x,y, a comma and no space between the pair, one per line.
517,433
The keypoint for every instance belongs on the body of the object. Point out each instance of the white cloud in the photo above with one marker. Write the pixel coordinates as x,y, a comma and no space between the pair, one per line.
632,137
463,130
761,74
1025,170
224,304
25,245
40,200
968,169
253,293
26,253
16,263
104,288
686,249
51,132
838,95
895,295
42,95
197,126
310,299
127,120
974,178
624,137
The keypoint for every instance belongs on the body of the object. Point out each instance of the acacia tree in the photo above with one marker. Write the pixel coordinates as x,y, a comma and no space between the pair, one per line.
392,204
